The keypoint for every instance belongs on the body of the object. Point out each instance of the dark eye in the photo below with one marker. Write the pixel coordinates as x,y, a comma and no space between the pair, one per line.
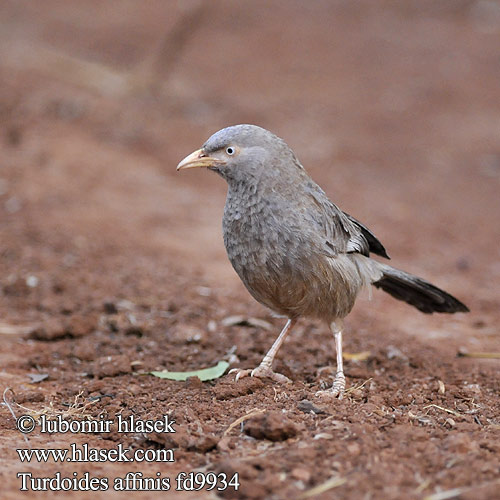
230,151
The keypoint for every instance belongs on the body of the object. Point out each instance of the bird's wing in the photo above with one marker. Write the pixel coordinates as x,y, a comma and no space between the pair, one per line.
374,244
343,233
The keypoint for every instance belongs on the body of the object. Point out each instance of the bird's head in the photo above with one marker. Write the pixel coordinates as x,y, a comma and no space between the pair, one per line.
243,153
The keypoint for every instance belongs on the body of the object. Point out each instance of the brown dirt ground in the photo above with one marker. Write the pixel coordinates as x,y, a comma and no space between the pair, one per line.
112,264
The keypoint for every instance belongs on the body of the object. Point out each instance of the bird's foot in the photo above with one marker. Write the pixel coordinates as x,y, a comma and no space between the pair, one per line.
262,371
338,387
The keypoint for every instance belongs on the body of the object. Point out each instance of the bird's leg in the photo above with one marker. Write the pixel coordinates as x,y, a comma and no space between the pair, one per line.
265,368
338,387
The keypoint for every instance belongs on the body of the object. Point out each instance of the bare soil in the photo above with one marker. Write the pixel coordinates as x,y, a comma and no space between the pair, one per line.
112,264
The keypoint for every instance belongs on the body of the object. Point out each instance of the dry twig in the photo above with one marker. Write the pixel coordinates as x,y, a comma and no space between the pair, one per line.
238,421
334,482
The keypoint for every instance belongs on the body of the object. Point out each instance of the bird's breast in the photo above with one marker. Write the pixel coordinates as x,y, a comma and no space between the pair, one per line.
255,234
277,253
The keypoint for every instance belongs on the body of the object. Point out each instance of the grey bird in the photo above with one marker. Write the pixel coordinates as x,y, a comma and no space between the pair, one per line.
295,251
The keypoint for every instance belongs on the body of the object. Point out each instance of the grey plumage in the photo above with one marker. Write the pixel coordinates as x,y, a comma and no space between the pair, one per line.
295,251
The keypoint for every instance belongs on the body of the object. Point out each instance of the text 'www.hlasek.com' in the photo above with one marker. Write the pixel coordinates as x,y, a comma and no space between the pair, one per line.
84,453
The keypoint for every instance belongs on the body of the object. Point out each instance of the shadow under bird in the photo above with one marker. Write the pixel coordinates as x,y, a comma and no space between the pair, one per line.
295,251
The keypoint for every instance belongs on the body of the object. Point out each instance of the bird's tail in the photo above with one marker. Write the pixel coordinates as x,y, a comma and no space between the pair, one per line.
417,292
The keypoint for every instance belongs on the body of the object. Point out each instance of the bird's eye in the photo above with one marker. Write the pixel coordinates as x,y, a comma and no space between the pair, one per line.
230,151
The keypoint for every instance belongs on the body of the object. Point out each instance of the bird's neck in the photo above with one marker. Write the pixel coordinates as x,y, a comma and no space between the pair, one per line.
256,185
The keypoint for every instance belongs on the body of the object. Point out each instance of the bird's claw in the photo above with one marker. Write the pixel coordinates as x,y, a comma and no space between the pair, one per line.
240,373
338,388
260,372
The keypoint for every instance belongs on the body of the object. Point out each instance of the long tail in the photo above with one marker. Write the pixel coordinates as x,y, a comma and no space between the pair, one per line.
417,292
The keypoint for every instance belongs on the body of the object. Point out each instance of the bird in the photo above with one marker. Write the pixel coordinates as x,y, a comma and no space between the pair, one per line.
295,251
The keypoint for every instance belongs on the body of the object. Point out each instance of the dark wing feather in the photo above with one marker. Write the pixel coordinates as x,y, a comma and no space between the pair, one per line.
374,244
343,233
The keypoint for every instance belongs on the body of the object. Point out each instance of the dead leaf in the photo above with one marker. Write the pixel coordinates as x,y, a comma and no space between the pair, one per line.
246,321
7,329
357,356
37,377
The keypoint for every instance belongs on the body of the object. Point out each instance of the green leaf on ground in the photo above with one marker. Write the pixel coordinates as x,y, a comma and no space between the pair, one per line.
204,374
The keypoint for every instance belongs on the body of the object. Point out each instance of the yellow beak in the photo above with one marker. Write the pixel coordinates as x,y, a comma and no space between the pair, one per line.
198,159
